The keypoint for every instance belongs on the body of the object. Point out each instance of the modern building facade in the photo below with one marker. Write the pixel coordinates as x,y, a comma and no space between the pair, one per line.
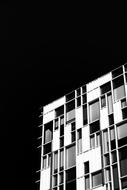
84,137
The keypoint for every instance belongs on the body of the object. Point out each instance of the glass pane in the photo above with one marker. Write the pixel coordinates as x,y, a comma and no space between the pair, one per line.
123,161
61,159
78,101
94,111
114,157
97,179
110,104
70,115
98,140
105,88
54,180
87,183
103,101
119,89
115,178
61,178
44,162
106,160
124,182
122,131
71,174
84,114
48,132
92,141
70,156
55,161
106,142
86,167
107,175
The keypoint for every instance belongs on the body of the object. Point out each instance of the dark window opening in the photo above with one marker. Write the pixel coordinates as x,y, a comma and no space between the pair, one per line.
71,185
94,127
106,160
84,114
70,96
96,178
114,157
111,119
61,130
61,142
79,101
59,111
86,167
79,134
124,182
84,98
119,89
87,182
84,89
103,101
47,148
105,88
61,177
71,174
123,161
73,136
124,113
117,72
115,177
73,126
78,92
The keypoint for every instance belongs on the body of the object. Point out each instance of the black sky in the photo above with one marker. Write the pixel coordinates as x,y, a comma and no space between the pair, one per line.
41,61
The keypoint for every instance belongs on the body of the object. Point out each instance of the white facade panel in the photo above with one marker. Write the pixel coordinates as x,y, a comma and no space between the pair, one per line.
95,159
45,179
80,184
85,138
54,105
49,117
117,112
100,188
104,123
92,95
56,140
80,166
98,82
67,136
79,117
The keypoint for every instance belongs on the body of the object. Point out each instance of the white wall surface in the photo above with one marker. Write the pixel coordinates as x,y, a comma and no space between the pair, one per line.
85,138
117,112
79,117
45,179
49,117
104,123
92,95
54,105
98,82
67,136
80,184
56,140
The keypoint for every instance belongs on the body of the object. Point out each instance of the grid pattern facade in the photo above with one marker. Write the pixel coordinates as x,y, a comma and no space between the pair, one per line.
84,137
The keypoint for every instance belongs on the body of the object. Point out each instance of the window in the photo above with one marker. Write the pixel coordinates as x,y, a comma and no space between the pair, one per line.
95,140
49,160
124,113
61,142
114,157
73,126
71,174
103,101
105,141
62,120
115,177
61,177
70,156
94,127
110,103
122,134
123,103
61,130
73,136
112,138
56,124
124,182
111,119
92,141
55,161
94,111
105,88
83,89
54,180
98,139
79,101
106,160
87,182
107,174
48,128
59,111
85,114
97,179
61,159
84,98
44,162
119,89
78,92
79,141
117,72
86,167
70,108
47,148
70,96
123,161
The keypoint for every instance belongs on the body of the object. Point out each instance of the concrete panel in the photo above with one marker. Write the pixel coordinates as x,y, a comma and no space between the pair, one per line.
67,136
56,140
80,165
104,123
49,117
45,179
85,138
54,105
79,117
92,95
98,82
117,112
80,184
95,159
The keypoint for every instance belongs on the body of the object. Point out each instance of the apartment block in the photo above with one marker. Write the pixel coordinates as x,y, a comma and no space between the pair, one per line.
84,137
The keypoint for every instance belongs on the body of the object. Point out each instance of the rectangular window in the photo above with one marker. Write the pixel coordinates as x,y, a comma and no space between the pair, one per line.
98,139
62,120
73,126
70,109
70,156
84,98
87,182
61,142
112,138
44,162
70,96
49,160
56,124
61,159
122,134
105,88
117,72
119,89
54,180
55,161
97,179
47,148
124,183
86,167
61,177
79,141
110,103
123,103
114,157
94,127
103,101
123,161
94,111
92,141
107,175
73,136
78,91
111,119
71,174
115,177
105,141
59,111
79,101
48,128
85,114
106,160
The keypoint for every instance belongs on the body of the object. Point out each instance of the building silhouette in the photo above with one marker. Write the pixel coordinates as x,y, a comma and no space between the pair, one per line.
84,137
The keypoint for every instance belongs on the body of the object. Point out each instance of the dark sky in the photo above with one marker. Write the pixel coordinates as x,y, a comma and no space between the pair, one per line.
41,61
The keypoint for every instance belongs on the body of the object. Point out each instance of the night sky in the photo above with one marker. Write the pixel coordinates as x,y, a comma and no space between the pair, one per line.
42,60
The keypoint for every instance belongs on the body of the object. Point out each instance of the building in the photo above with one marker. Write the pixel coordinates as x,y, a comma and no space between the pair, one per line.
84,137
